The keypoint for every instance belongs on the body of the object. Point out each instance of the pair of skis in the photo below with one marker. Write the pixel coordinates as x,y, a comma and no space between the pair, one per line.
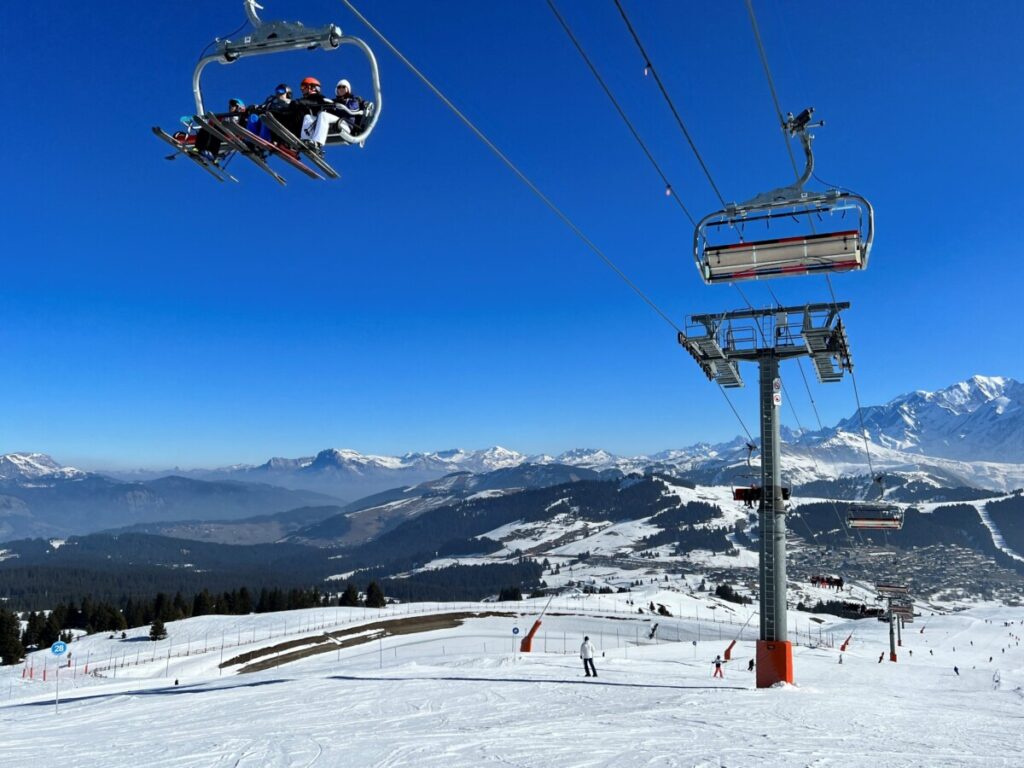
251,146
218,172
289,138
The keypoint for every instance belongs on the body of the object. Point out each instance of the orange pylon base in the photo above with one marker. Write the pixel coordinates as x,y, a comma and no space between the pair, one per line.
892,657
774,662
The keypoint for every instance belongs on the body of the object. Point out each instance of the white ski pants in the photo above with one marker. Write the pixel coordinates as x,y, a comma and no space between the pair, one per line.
316,128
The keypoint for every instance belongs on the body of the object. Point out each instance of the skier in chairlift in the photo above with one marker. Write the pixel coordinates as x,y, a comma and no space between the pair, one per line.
208,145
337,116
281,106
311,106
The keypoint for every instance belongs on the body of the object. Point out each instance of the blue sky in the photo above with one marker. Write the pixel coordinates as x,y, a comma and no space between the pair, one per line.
151,317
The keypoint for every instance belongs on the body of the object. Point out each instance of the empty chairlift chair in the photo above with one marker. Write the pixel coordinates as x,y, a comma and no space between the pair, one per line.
874,516
827,231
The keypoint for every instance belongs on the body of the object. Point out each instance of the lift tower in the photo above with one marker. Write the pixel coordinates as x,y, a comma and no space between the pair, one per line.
719,343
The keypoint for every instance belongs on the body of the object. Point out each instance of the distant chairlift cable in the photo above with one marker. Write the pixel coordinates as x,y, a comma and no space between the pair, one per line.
821,428
789,149
522,176
649,66
512,166
669,189
771,85
800,426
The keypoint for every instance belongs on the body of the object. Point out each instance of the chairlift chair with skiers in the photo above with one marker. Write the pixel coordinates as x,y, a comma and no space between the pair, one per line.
266,37
833,229
751,494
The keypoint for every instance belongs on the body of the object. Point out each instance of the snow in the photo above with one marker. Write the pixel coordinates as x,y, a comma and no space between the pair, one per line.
462,697
34,466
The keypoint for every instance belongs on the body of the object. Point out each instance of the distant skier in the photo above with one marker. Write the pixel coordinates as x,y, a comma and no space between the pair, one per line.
881,656
718,668
750,666
587,654
957,670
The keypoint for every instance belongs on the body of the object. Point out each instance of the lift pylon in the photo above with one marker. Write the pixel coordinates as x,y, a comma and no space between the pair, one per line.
719,343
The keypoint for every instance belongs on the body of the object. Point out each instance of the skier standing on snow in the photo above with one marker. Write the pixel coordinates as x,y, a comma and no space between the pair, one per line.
587,654
718,668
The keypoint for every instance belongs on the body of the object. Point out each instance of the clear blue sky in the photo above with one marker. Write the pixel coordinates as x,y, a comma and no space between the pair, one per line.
151,317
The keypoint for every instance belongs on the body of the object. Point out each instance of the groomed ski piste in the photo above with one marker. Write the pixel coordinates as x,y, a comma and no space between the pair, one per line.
443,685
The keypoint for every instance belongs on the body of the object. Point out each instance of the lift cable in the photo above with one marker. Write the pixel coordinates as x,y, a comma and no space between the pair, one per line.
800,426
669,189
648,66
789,149
856,395
533,187
771,84
522,176
668,185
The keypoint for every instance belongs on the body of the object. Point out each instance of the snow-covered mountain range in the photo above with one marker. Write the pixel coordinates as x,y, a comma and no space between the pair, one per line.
26,467
969,434
981,419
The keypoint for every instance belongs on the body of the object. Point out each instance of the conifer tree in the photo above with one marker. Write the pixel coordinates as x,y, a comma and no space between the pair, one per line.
243,603
510,593
350,597
158,631
180,607
375,596
33,627
50,632
202,603
11,649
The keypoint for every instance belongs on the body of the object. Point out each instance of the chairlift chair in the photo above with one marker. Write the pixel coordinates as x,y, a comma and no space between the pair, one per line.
281,36
752,494
889,590
267,37
874,516
724,253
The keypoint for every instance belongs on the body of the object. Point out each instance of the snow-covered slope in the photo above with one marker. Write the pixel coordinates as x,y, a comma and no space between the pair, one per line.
461,696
